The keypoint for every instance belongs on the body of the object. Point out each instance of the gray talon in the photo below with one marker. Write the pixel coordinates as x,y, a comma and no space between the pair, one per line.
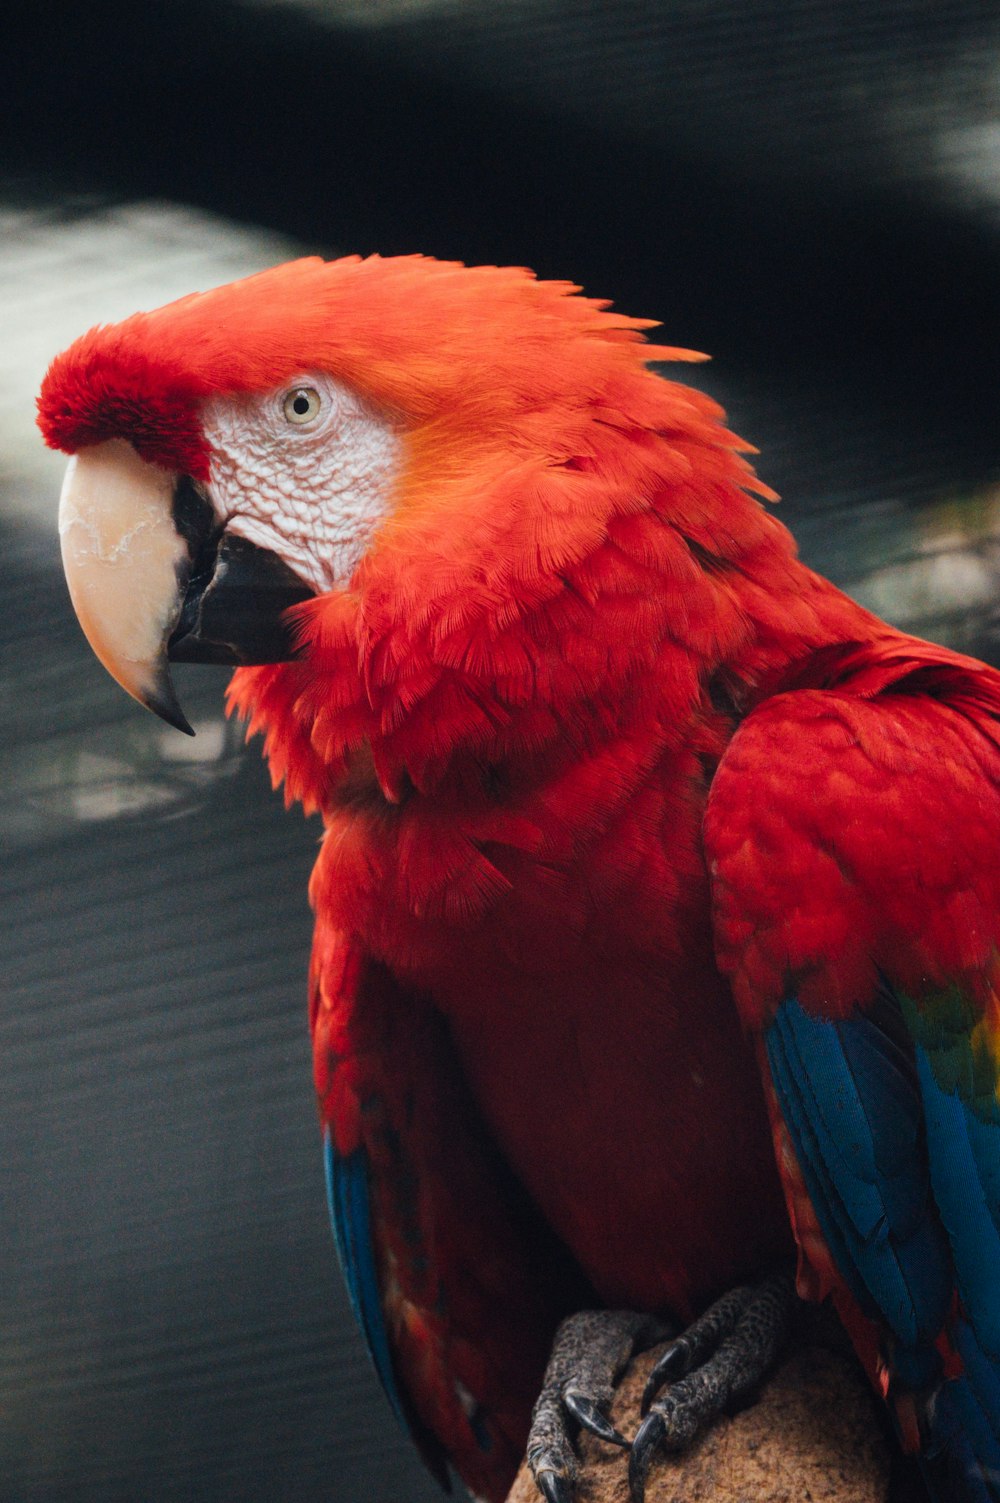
589,1354
715,1365
703,1337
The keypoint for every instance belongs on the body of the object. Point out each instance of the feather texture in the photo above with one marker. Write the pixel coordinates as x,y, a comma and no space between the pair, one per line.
856,1124
350,1216
595,755
858,913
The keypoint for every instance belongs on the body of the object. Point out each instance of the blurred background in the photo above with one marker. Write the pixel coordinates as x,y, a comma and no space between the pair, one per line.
809,191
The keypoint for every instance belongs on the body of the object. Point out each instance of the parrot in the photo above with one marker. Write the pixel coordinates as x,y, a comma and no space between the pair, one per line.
656,967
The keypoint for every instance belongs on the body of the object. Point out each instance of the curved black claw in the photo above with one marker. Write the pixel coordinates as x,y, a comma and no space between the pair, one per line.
699,1341
555,1487
648,1439
670,1365
718,1362
590,1417
590,1352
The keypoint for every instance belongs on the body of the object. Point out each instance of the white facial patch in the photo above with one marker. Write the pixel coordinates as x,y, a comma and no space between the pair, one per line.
306,471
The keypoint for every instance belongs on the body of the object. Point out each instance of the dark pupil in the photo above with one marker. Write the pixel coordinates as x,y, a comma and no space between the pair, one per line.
300,405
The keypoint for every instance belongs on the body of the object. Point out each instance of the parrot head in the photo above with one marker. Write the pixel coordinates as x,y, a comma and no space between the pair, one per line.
240,450
430,512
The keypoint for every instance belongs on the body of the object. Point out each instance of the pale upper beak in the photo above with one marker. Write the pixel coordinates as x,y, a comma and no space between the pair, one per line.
153,576
126,566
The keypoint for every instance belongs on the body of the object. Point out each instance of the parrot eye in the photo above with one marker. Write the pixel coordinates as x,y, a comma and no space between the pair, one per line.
301,405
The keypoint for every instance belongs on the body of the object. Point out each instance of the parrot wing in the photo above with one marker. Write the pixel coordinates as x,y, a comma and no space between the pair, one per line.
853,836
456,1283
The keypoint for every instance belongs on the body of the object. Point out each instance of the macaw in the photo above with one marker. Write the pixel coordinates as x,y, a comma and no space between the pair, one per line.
657,907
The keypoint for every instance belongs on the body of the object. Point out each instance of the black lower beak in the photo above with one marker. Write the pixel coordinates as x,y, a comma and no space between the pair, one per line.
237,594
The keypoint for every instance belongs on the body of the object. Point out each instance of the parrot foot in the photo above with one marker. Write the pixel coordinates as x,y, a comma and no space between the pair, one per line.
715,1365
589,1354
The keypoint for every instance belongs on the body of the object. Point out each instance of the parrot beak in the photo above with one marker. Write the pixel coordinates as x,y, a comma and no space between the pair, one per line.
154,577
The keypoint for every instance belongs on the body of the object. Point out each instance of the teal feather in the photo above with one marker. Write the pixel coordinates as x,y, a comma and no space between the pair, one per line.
964,1156
848,1097
896,1127
350,1213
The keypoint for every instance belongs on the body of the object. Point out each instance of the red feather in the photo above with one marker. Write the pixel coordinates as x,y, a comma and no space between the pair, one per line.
510,719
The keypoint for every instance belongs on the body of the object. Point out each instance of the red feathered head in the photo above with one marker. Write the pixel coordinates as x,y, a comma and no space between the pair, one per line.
432,451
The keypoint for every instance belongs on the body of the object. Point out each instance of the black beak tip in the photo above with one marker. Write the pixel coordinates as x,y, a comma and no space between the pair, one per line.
162,700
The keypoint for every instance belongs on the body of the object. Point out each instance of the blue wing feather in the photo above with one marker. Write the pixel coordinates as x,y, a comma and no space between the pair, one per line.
904,1177
350,1213
958,1440
965,1166
855,1123
839,1229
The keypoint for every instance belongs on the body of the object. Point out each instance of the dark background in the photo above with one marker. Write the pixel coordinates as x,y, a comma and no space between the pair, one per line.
811,192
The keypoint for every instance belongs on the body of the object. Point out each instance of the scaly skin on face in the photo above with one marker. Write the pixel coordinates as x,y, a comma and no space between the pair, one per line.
311,489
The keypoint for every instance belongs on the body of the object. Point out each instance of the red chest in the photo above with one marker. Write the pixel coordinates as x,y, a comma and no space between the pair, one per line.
572,957
628,1106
